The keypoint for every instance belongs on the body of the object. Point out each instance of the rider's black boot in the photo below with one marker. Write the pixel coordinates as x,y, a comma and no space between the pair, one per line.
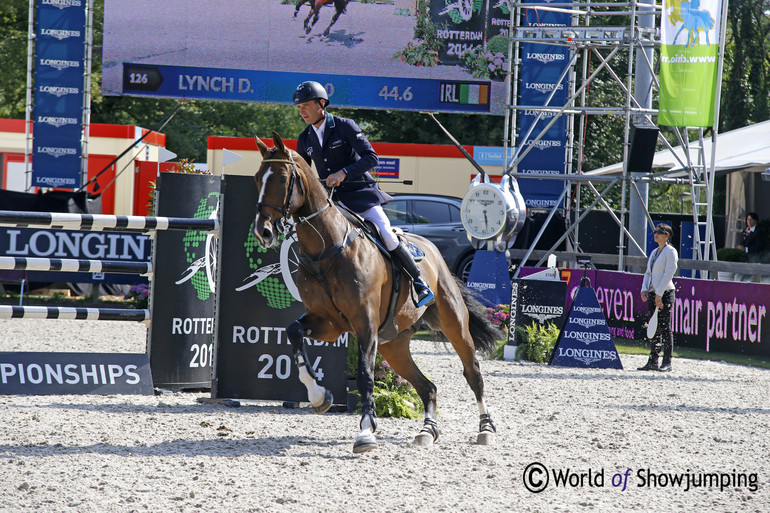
424,295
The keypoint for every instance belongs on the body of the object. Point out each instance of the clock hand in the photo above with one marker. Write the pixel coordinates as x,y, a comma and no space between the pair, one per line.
486,222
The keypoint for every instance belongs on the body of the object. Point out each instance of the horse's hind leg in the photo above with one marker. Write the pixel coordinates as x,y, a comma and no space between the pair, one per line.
334,20
320,398
454,324
397,354
316,12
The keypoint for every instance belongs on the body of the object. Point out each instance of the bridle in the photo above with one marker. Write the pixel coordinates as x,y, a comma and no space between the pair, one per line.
282,224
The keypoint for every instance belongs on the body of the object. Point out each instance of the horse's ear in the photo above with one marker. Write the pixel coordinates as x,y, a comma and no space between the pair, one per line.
278,142
262,146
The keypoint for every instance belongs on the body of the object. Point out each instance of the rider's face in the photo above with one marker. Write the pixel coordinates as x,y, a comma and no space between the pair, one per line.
311,111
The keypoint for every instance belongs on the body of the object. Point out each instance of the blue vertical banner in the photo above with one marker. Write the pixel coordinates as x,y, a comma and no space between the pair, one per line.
541,67
490,278
58,102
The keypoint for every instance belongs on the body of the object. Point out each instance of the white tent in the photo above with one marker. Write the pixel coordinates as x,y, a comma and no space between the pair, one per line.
741,153
743,149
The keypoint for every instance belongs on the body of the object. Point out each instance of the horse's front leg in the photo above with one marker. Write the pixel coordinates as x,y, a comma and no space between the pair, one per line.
320,398
367,352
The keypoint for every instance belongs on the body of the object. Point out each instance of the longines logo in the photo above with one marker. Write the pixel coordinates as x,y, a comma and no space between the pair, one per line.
58,122
63,4
56,152
587,356
542,312
586,338
479,285
59,64
60,34
588,323
542,87
59,91
545,58
543,144
587,309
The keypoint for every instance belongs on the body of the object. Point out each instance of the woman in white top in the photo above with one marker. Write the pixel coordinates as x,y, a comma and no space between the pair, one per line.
658,292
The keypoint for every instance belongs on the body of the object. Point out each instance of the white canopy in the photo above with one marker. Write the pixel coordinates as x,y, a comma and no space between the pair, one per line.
743,149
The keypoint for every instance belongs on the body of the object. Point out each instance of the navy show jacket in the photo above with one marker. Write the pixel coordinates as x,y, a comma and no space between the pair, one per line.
344,147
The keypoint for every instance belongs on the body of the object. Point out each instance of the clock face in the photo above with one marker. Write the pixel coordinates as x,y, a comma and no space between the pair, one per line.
483,211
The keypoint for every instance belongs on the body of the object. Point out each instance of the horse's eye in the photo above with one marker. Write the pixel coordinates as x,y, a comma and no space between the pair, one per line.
283,179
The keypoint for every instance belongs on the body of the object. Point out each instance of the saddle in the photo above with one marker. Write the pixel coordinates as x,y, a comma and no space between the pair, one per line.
388,330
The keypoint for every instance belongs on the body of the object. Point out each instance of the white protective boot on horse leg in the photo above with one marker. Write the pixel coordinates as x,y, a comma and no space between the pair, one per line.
365,441
487,428
320,398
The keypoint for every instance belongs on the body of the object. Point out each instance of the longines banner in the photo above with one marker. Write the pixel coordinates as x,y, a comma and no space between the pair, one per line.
541,67
58,103
584,340
537,301
711,315
689,58
181,342
258,299
81,245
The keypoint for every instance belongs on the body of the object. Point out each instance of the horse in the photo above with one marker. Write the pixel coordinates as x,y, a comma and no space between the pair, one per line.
345,282
315,8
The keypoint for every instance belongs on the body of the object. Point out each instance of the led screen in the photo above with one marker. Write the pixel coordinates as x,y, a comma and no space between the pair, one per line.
436,55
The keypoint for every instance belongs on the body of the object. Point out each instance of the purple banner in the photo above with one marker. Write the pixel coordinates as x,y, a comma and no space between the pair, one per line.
716,316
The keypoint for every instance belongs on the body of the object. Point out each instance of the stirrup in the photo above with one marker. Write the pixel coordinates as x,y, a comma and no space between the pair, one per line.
425,296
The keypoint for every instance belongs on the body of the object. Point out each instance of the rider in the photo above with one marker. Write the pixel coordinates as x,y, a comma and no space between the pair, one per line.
343,158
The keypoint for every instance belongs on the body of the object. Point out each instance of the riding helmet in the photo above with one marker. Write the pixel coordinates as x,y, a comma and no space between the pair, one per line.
310,90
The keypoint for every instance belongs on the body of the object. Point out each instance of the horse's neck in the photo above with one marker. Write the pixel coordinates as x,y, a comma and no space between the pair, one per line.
324,230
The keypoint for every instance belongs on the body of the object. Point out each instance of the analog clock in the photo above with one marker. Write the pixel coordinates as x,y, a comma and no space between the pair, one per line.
484,211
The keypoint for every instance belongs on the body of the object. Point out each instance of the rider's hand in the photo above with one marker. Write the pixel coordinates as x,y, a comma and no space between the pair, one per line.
334,179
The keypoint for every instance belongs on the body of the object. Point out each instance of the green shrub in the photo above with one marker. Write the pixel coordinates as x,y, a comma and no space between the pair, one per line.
393,396
732,255
538,341
423,52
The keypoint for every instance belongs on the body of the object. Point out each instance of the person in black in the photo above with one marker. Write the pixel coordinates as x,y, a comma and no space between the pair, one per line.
753,238
343,158
658,291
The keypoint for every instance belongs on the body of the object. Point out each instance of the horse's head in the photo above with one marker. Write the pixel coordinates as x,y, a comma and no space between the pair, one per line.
280,191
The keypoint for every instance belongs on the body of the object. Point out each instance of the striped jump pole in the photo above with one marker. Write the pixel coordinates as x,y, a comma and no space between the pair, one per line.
76,313
73,265
100,222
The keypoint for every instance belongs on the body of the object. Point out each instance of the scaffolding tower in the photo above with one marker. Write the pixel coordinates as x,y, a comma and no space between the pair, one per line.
619,40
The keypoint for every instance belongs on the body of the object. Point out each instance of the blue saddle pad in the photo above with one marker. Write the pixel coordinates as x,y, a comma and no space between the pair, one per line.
416,252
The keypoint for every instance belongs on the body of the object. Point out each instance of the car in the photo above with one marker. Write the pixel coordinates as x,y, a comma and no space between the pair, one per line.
437,218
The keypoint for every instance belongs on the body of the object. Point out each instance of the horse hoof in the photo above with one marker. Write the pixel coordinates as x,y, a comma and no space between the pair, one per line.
423,439
324,406
364,443
485,438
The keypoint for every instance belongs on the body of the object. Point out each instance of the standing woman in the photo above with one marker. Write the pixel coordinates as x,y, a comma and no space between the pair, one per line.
658,292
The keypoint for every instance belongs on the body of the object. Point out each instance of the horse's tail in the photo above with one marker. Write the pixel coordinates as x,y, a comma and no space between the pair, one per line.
485,334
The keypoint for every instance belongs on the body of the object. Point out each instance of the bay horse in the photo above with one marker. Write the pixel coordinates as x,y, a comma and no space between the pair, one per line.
315,9
345,283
